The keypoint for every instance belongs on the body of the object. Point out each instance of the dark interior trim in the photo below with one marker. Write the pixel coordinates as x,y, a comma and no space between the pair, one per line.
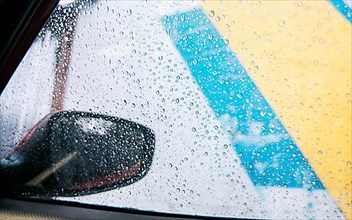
22,21
68,209
69,212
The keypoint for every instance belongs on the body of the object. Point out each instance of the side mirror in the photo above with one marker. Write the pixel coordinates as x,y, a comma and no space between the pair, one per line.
78,153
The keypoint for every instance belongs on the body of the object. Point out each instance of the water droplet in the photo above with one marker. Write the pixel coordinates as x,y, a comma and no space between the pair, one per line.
239,95
349,164
282,23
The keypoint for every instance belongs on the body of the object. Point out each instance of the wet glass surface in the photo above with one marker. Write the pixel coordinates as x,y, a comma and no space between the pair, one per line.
249,102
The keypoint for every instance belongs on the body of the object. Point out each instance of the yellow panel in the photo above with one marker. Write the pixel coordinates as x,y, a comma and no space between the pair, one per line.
299,55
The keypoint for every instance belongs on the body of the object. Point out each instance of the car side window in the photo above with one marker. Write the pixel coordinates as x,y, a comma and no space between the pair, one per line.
212,108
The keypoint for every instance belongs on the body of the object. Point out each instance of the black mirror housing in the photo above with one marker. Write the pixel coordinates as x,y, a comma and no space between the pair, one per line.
78,153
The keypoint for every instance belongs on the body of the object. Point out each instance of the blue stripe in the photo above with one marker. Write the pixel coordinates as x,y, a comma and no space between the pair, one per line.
343,8
266,150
